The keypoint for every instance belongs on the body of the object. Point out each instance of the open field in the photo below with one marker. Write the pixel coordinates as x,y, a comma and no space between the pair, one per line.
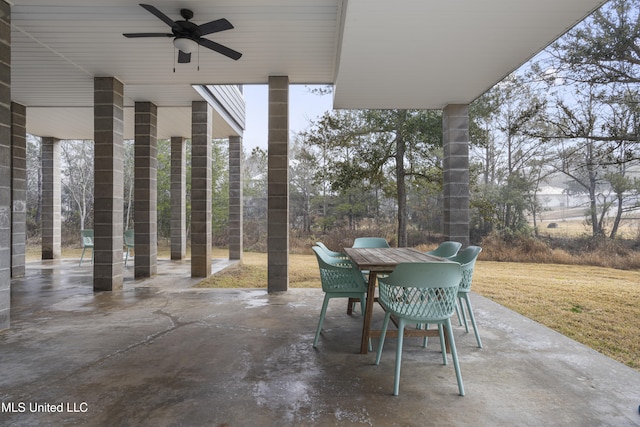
572,223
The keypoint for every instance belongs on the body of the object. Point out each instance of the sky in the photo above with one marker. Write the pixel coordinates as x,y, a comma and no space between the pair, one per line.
304,107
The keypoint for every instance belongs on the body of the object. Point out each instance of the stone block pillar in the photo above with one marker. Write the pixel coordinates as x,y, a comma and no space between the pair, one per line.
146,190
235,198
278,185
109,186
5,165
455,121
201,131
18,189
51,226
178,198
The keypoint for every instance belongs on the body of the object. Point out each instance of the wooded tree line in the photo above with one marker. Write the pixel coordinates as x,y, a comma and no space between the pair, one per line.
570,114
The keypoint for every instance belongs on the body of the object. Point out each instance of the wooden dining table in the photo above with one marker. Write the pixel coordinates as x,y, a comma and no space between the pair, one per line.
383,261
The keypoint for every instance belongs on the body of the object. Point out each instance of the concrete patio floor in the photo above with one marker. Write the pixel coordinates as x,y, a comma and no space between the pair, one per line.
159,353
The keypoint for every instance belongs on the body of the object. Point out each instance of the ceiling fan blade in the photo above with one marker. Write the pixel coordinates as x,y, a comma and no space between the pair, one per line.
183,58
219,48
134,35
159,14
214,27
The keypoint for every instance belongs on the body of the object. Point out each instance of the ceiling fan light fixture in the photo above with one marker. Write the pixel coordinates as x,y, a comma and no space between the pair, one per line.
185,44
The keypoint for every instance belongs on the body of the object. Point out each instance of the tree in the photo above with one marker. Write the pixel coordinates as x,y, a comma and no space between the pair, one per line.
34,185
597,65
255,198
163,178
511,152
128,181
77,177
336,140
380,149
301,188
603,49
220,189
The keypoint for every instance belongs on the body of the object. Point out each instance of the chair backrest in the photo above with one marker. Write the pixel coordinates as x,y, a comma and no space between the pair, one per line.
370,242
86,238
419,290
467,260
329,251
129,238
338,275
446,249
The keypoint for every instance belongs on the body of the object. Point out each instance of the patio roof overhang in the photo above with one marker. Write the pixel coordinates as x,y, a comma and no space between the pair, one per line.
377,54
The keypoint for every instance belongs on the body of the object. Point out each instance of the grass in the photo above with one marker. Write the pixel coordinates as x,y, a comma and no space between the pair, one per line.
303,273
592,305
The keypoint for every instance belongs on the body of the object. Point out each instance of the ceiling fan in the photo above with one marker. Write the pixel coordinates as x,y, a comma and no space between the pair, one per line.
188,36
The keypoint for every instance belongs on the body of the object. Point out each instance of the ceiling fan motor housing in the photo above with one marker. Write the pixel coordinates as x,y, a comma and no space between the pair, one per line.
186,14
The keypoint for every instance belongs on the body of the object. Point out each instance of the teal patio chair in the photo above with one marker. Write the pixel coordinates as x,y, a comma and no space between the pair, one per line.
446,249
333,254
370,242
86,240
421,293
467,260
339,257
339,280
129,243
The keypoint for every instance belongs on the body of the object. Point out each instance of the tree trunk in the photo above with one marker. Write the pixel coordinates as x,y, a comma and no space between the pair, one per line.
616,221
402,191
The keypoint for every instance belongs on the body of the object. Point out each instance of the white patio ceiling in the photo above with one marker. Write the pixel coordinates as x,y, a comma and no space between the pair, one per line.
378,54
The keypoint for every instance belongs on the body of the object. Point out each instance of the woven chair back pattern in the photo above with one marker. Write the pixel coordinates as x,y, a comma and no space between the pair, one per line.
340,279
467,259
421,290
338,275
434,303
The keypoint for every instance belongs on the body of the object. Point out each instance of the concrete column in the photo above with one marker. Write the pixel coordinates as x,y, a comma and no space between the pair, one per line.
5,165
202,120
235,197
51,199
19,189
145,206
109,185
455,121
278,185
178,198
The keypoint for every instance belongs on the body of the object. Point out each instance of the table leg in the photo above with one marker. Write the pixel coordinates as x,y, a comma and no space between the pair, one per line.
366,324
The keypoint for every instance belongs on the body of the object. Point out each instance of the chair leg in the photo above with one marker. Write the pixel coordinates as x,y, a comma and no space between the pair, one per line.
322,314
473,320
82,256
443,345
425,340
363,305
454,355
396,377
383,334
458,314
464,316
